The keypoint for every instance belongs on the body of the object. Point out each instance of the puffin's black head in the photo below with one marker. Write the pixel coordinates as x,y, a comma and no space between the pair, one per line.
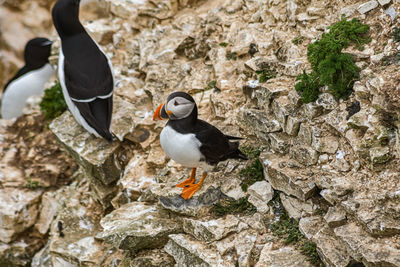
37,52
179,105
66,18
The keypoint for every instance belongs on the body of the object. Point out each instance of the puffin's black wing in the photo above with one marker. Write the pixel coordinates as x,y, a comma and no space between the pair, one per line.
215,146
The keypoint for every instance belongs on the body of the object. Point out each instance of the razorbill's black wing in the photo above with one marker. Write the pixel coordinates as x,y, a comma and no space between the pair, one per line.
85,71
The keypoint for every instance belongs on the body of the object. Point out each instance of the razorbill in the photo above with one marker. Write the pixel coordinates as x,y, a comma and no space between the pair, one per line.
85,72
192,142
29,80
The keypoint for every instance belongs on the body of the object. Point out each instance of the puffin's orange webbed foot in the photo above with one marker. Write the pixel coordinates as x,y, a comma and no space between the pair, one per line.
189,190
188,181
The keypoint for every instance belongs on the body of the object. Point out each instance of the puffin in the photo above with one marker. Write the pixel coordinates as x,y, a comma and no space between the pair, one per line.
192,142
29,80
85,72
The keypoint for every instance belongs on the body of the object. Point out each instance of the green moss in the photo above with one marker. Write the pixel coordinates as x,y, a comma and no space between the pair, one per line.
265,74
223,44
309,249
298,40
396,34
308,87
211,85
330,66
319,212
231,56
229,206
287,229
254,170
250,151
53,103
32,184
391,59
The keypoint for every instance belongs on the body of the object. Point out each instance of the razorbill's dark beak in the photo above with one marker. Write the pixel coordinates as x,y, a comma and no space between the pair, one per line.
160,113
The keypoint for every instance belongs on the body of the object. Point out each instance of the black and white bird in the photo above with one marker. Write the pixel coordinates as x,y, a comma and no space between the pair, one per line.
29,80
85,72
192,142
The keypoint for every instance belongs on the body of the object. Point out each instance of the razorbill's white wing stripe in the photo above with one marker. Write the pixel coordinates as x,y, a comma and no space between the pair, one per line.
93,98
72,108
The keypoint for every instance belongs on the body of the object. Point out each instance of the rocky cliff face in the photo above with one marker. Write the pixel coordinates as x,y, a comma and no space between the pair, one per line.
333,165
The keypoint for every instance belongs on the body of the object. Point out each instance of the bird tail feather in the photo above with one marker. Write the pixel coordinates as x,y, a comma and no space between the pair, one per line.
230,137
236,153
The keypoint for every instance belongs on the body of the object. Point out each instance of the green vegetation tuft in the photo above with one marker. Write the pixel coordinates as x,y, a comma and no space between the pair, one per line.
250,151
287,229
309,249
391,59
308,87
265,74
32,184
254,171
396,34
330,66
298,40
53,103
223,44
231,56
229,206
211,85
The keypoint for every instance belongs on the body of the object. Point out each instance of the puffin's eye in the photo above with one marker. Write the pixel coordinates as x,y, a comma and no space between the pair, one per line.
176,103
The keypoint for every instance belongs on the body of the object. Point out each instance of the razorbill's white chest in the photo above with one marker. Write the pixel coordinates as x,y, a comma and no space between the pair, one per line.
29,80
85,72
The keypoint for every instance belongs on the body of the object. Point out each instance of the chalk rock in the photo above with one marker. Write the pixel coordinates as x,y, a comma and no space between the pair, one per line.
18,211
212,230
284,256
367,6
260,194
135,226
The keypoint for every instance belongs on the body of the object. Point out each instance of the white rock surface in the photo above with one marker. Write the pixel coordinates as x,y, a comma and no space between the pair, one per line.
18,211
260,194
367,6
278,257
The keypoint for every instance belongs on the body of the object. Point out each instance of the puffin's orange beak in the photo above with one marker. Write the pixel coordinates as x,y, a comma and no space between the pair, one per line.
162,114
157,114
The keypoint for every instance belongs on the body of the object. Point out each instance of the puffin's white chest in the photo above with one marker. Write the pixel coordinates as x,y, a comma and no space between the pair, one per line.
182,148
19,90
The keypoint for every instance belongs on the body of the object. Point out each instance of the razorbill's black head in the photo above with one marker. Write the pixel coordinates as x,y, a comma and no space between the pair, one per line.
65,15
36,55
37,52
84,70
29,80
179,105
191,141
